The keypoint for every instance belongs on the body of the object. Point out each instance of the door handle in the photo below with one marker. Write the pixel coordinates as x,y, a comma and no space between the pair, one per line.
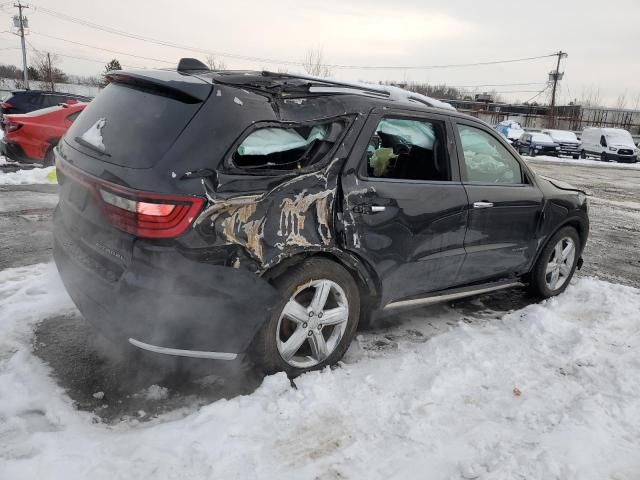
367,208
482,204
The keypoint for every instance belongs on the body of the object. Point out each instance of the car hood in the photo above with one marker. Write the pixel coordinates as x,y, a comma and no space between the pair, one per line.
544,144
563,185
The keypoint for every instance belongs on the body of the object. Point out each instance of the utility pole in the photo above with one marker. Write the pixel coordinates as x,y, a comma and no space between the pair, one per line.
50,73
20,23
554,77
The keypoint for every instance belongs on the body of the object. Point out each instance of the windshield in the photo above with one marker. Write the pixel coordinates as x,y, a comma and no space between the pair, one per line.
541,137
620,137
563,135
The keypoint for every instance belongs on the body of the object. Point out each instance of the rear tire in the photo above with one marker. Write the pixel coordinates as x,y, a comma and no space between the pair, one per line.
575,157
49,158
295,339
556,264
532,152
583,155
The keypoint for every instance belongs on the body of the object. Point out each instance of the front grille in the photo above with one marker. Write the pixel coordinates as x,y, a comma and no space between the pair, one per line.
625,151
569,146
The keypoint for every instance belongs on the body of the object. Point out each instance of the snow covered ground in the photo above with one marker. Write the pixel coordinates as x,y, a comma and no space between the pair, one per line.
32,176
591,162
551,391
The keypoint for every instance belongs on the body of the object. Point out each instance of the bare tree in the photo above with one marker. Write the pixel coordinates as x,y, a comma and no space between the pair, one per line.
590,97
46,65
215,64
621,102
313,63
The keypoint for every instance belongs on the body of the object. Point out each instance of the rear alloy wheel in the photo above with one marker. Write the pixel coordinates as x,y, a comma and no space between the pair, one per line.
314,324
557,264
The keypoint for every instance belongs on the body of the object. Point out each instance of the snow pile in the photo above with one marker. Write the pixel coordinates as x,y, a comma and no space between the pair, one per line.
551,391
29,177
585,161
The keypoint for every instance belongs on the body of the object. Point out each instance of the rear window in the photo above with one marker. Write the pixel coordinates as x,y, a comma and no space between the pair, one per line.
130,126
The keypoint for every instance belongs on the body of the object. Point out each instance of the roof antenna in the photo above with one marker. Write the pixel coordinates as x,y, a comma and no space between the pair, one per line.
189,64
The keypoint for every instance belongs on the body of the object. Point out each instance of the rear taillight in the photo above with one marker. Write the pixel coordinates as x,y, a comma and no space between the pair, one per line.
11,126
149,215
6,105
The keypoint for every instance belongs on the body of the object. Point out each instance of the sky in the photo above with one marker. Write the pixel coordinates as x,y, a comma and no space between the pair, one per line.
601,39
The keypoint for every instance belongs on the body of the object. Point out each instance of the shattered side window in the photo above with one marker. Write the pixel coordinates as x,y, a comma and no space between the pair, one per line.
409,150
275,148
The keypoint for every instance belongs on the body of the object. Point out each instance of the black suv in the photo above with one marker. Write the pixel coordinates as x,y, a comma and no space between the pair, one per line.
206,214
25,101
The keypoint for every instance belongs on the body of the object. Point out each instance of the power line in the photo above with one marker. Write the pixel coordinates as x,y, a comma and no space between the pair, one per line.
104,49
499,85
123,33
538,94
104,62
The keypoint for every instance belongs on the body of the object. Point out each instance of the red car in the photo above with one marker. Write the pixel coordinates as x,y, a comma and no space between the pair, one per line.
30,137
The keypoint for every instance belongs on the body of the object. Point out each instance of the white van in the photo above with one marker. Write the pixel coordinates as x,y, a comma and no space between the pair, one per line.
609,144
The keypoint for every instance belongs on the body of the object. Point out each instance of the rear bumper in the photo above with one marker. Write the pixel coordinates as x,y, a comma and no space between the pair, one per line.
180,307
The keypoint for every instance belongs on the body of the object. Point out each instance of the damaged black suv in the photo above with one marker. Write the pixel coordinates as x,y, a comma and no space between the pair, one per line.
208,214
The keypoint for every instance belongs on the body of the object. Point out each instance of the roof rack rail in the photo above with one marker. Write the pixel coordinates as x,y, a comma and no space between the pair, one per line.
325,85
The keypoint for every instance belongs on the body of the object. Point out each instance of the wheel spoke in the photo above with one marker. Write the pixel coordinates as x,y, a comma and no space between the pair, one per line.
565,270
558,251
550,267
295,312
334,316
318,346
320,296
555,275
293,343
568,250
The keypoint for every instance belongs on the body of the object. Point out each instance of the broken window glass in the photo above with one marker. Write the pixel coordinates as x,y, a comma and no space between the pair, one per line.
408,149
276,148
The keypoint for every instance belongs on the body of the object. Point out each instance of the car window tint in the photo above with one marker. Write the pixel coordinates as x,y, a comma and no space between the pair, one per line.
487,160
73,116
291,148
409,150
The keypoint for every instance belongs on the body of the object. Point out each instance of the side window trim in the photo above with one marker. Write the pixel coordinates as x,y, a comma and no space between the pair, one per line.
370,127
526,173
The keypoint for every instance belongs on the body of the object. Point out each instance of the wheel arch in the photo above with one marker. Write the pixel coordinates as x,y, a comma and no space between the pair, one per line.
578,223
363,274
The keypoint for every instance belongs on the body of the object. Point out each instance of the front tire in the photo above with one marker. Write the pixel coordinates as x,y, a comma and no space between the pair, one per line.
583,155
315,322
556,264
603,157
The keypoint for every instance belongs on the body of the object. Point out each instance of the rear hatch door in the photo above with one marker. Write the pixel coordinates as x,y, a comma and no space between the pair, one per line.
119,138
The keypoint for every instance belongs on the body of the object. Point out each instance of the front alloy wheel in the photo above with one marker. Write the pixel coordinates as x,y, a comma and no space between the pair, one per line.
556,264
560,265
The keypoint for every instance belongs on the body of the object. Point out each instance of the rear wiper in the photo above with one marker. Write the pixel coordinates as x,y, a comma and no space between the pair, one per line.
91,146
